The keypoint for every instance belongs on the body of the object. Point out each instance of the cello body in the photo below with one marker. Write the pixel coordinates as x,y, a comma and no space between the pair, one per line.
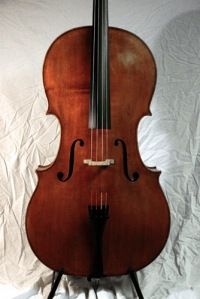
58,226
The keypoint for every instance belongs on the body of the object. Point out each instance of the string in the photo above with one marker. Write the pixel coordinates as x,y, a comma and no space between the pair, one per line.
107,86
101,195
93,80
97,93
100,73
107,72
105,79
102,91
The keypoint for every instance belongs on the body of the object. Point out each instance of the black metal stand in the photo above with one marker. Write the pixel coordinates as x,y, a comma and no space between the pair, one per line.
134,279
55,282
58,275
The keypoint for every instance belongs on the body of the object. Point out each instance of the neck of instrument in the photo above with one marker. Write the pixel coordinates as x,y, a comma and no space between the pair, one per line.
99,117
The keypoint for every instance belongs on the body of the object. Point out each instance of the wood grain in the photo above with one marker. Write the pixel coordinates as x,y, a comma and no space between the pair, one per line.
57,222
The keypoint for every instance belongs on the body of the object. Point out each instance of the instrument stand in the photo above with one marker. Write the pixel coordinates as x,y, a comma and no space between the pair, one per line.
135,282
55,282
58,275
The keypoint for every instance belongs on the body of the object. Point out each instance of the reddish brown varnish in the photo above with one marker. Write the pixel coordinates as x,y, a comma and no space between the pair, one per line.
57,222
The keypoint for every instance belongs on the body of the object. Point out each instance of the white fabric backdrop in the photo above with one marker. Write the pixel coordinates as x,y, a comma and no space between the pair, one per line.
169,139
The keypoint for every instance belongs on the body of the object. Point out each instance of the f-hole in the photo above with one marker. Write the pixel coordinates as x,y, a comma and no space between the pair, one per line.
135,175
60,175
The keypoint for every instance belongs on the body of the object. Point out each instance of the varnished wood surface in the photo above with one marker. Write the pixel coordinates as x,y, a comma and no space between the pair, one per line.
57,222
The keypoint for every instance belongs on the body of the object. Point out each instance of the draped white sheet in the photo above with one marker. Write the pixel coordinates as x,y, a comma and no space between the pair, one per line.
168,139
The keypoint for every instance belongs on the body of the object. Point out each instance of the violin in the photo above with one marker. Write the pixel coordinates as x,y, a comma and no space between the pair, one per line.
97,209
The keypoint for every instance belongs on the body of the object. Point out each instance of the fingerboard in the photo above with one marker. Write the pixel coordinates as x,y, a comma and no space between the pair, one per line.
99,115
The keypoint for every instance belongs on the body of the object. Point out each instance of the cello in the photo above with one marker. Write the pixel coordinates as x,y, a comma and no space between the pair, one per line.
97,209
